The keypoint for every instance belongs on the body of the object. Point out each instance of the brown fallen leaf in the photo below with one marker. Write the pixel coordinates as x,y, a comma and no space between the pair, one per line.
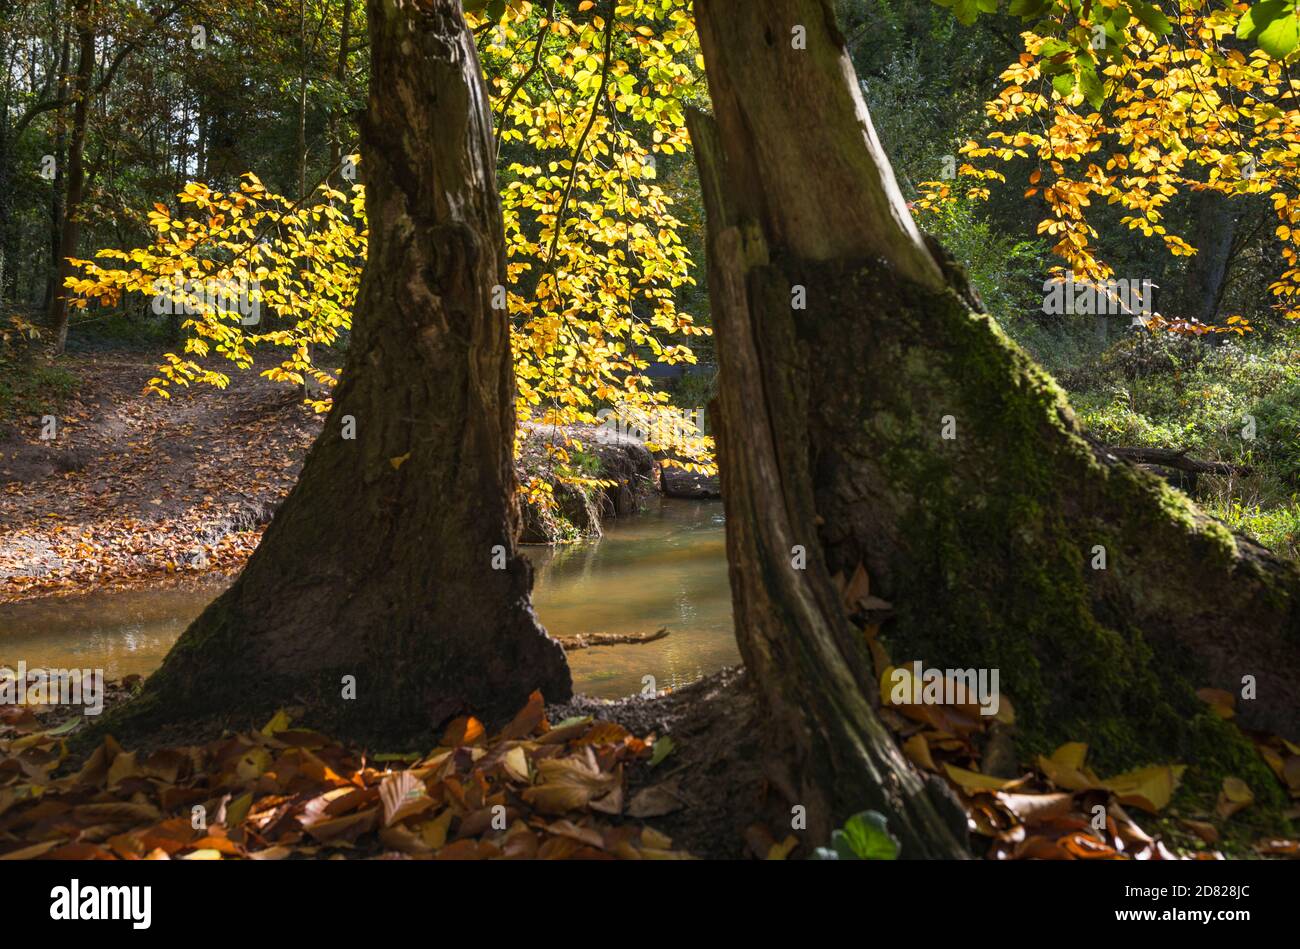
567,784
346,828
1034,808
1221,702
1235,795
402,795
655,801
1206,831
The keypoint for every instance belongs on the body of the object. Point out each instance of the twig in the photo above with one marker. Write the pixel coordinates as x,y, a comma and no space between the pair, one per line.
587,640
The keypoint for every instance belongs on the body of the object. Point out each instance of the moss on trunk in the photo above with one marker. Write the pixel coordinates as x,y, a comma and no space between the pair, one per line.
985,542
847,350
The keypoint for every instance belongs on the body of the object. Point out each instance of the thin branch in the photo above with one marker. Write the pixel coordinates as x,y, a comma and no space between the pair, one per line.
542,31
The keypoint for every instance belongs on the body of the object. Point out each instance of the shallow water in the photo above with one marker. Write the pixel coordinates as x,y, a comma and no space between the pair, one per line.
665,567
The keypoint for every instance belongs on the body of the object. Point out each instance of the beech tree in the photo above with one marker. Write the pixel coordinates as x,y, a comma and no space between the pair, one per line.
869,414
387,594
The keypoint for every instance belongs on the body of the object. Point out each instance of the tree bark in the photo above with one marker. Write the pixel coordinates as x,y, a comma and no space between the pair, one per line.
393,559
1207,270
59,184
338,117
70,231
8,227
831,423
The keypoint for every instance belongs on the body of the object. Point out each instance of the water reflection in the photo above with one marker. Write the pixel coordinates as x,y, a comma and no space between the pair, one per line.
666,567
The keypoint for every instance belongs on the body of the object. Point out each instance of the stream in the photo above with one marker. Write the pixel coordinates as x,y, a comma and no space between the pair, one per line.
664,567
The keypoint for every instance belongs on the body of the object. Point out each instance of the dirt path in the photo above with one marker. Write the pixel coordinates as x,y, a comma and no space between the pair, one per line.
135,488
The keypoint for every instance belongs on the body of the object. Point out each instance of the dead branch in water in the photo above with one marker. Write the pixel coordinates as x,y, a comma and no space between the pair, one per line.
587,640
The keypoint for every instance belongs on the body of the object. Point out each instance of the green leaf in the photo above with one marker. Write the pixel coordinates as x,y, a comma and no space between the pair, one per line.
63,729
966,11
1091,84
1151,17
1027,9
1280,37
1273,25
1052,48
865,836
663,748
496,9
1260,16
1064,83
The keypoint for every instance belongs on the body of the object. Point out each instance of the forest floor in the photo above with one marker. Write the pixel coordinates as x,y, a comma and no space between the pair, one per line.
671,776
136,489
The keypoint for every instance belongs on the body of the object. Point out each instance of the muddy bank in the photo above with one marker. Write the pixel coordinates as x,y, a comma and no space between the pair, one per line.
135,490
632,474
130,490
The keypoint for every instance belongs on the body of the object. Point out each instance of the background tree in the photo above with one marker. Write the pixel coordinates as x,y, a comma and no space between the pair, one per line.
391,566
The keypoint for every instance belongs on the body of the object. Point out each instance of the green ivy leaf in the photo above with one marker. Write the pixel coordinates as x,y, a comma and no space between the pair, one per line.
865,836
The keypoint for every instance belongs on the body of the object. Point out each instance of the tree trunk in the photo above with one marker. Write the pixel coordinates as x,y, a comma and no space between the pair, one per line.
393,559
337,115
831,423
8,227
58,185
70,234
301,146
1207,270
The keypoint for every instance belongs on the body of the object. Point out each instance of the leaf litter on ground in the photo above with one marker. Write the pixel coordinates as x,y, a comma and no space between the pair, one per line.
532,791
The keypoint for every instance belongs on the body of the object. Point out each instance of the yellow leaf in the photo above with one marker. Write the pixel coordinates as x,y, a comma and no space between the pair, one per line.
782,850
974,781
278,723
918,749
516,764
1149,788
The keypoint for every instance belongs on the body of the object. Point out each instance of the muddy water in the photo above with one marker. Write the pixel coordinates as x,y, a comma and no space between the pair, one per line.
665,567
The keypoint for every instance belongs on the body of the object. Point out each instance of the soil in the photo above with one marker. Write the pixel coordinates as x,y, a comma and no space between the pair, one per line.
714,768
135,488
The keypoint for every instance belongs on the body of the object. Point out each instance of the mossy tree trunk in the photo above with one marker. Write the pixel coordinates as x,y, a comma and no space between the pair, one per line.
393,559
848,349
